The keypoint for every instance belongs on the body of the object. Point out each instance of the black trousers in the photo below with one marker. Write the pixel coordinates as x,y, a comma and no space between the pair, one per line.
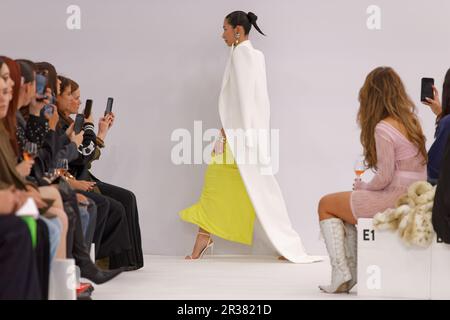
134,258
43,257
18,270
111,236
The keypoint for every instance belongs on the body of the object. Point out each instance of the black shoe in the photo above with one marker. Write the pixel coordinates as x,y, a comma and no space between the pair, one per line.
98,276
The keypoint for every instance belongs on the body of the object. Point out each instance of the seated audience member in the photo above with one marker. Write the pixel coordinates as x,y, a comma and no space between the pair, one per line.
110,223
55,218
134,257
394,146
18,276
10,175
442,112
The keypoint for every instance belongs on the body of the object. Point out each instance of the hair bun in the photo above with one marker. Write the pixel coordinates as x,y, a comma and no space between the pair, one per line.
252,17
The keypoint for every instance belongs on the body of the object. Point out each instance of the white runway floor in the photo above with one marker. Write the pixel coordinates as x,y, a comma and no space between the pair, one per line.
220,277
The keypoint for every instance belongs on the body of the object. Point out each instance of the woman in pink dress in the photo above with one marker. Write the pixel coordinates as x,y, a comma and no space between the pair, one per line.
394,147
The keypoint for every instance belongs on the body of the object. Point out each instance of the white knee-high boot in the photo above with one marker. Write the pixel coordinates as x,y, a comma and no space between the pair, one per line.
333,233
351,252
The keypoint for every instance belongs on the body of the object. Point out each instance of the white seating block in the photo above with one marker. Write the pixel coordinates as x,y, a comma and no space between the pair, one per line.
389,268
440,270
62,282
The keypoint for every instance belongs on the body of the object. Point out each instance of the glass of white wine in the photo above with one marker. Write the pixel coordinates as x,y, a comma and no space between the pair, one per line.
30,151
51,175
62,167
359,167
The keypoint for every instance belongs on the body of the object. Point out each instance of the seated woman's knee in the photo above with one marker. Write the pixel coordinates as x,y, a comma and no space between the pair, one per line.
323,204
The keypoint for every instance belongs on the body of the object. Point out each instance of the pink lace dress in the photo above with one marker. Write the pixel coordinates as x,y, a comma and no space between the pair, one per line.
399,165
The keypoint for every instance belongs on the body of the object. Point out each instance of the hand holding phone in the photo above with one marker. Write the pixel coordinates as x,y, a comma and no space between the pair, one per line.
79,122
47,111
434,103
109,105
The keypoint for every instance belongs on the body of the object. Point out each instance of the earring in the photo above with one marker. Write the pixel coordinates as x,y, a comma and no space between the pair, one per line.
237,36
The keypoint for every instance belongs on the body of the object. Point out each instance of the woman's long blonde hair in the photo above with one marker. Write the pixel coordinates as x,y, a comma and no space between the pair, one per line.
382,95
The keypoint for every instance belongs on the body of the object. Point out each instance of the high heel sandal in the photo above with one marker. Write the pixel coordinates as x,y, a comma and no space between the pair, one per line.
208,246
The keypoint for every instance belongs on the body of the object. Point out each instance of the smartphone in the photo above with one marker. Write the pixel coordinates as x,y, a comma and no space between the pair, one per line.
88,108
52,99
47,110
109,105
79,121
427,89
41,83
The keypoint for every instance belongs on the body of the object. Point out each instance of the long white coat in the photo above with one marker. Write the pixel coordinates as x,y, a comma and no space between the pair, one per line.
244,104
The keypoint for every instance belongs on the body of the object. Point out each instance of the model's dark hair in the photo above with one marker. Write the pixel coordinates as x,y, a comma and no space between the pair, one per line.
246,20
445,97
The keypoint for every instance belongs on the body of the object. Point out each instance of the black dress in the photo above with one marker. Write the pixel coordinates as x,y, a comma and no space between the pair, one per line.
133,258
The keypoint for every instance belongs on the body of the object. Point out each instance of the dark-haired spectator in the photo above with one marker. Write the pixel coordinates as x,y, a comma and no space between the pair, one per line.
442,133
55,218
133,258
111,236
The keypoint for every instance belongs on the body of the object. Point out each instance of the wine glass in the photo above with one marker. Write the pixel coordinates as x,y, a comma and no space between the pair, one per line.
359,167
62,167
29,151
51,175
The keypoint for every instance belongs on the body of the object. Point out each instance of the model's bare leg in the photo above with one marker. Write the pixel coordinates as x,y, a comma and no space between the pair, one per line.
203,239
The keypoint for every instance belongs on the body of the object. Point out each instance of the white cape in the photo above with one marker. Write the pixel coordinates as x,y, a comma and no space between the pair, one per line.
244,104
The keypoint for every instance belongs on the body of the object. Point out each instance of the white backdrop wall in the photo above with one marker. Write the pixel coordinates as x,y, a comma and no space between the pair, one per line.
163,61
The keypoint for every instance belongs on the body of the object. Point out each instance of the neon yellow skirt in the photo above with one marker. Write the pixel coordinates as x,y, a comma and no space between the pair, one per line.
224,208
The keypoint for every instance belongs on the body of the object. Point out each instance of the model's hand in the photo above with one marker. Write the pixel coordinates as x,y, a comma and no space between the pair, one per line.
218,147
434,104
